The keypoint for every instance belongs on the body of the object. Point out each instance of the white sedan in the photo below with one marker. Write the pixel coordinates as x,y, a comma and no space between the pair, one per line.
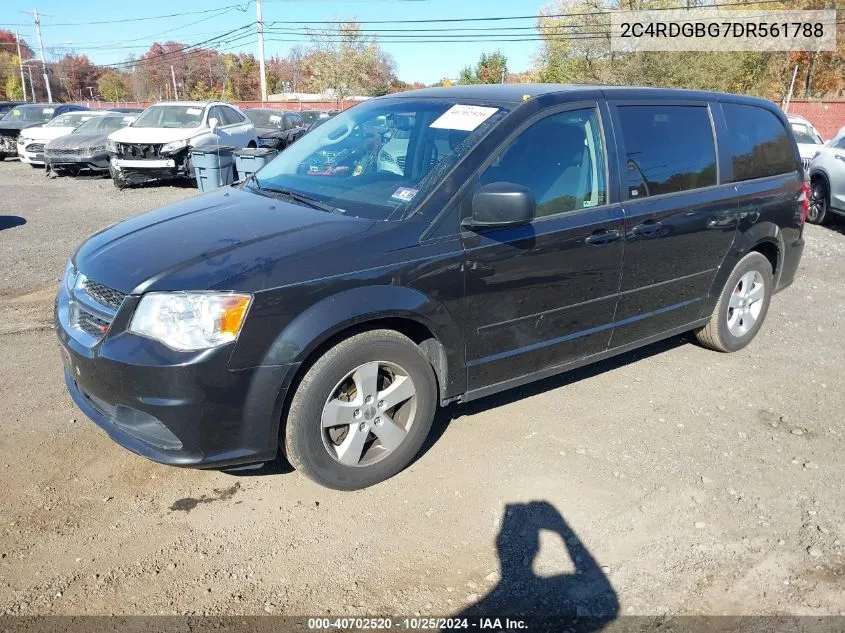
32,139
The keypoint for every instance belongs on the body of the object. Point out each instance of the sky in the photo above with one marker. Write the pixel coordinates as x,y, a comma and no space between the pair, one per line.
416,60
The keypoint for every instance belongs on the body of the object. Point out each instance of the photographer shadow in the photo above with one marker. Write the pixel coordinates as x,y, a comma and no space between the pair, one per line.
583,601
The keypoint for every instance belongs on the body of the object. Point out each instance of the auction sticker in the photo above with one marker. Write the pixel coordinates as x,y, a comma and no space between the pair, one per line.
463,117
404,194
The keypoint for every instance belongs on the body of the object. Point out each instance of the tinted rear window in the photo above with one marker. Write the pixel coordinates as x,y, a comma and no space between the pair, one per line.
758,141
668,149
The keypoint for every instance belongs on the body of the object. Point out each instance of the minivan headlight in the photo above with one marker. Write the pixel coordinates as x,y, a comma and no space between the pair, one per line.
190,321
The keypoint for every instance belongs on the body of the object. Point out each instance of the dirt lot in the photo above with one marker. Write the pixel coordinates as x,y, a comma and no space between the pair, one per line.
698,482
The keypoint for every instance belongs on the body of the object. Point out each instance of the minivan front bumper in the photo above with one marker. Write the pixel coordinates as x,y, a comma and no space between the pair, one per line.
191,411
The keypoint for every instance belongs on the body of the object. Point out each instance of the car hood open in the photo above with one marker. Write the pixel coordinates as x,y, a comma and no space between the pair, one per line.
203,241
156,134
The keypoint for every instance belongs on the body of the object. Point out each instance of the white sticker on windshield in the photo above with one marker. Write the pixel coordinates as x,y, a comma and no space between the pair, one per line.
463,117
275,118
193,111
48,110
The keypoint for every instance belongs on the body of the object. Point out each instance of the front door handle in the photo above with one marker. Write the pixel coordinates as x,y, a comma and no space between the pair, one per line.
647,228
602,236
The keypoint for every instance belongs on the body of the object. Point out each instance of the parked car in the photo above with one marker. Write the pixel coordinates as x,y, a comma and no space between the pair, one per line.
827,181
32,140
393,151
317,123
5,106
275,128
24,116
158,143
534,229
309,116
85,147
808,139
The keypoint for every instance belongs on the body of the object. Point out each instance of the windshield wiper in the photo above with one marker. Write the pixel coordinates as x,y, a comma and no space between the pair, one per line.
298,197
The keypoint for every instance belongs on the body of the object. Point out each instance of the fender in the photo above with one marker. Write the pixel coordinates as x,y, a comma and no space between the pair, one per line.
744,242
330,316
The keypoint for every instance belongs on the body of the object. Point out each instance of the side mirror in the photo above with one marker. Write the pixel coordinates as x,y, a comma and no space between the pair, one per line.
501,204
212,124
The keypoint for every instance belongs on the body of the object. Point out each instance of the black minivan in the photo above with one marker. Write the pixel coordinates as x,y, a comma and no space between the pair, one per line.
424,248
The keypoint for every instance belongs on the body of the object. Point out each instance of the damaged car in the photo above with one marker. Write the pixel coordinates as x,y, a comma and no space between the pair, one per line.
28,115
32,140
85,147
276,129
158,144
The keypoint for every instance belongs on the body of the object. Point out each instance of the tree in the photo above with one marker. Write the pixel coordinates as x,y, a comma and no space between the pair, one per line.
114,86
10,78
490,69
76,74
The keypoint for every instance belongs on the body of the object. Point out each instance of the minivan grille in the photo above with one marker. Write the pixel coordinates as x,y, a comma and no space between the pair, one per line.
103,294
806,163
91,324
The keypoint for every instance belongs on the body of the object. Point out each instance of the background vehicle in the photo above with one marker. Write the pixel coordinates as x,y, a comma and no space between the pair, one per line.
276,128
85,147
5,106
335,304
28,115
808,139
827,181
32,140
317,123
309,116
158,144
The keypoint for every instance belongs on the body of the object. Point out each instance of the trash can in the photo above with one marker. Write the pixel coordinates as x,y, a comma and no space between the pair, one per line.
213,167
250,160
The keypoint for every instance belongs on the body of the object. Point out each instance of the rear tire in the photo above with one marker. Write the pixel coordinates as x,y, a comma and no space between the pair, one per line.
374,437
742,306
818,201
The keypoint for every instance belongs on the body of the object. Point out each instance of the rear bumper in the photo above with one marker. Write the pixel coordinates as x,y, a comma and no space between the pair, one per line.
176,408
791,259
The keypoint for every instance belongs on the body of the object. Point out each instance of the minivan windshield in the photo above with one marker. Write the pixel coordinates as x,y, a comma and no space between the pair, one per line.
380,158
34,113
170,116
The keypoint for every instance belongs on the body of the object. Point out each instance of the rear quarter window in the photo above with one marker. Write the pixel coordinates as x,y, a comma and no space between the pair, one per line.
668,148
759,143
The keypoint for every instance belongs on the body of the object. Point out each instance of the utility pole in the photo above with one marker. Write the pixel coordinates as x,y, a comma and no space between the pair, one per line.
261,52
785,105
43,63
20,63
175,89
31,85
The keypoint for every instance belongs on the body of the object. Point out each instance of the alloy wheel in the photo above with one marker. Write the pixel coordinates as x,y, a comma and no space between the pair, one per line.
746,303
369,413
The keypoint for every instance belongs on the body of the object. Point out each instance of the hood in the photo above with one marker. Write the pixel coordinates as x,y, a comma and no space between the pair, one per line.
45,133
808,150
15,126
75,141
201,242
267,132
155,134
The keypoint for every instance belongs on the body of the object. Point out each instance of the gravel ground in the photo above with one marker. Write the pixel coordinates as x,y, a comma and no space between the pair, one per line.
682,480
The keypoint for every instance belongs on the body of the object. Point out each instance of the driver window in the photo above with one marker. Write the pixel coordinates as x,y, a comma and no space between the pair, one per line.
560,158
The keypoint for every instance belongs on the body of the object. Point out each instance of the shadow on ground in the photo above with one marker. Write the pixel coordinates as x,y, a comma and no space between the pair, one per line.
582,601
11,221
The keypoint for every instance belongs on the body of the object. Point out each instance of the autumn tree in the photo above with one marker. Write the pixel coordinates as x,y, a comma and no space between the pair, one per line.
490,69
10,77
114,86
77,76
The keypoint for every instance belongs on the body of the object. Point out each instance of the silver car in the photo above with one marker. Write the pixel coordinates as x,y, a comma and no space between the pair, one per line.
827,181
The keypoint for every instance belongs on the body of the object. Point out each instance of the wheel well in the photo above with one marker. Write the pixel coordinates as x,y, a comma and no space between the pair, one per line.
821,176
414,330
771,252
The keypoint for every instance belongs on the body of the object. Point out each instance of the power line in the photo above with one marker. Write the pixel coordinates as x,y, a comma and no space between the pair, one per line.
228,8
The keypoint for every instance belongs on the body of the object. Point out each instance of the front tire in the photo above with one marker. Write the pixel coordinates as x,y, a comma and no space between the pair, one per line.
362,411
742,306
818,201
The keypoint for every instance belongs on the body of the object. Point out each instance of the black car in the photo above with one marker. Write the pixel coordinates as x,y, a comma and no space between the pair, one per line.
5,106
309,116
85,147
28,115
329,307
276,129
